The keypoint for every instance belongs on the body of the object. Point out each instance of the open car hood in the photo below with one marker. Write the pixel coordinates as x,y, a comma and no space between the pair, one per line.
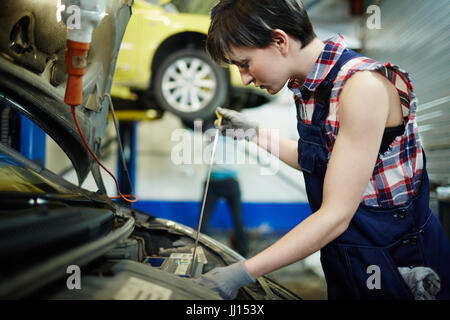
33,73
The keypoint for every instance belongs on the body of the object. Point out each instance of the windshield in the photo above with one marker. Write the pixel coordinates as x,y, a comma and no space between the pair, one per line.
14,177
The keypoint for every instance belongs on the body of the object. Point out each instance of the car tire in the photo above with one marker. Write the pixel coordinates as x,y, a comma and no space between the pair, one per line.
190,85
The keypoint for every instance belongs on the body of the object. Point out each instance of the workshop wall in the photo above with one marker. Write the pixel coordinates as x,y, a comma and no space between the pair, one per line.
415,35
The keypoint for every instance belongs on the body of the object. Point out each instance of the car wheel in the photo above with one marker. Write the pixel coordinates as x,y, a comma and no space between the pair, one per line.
190,85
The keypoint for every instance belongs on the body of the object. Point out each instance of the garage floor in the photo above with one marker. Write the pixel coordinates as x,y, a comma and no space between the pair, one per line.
304,278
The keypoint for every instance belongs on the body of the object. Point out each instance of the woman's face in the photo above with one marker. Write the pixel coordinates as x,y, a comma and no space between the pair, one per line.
266,67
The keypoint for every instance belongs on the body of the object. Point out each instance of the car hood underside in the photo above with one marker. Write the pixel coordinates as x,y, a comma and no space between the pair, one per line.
33,72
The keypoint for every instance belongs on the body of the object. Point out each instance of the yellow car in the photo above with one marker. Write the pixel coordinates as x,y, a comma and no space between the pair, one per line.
163,64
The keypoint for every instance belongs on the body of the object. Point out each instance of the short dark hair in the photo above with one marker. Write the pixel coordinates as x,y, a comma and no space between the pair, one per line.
250,23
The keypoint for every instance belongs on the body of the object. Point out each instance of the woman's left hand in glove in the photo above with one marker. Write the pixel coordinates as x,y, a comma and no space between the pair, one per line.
226,281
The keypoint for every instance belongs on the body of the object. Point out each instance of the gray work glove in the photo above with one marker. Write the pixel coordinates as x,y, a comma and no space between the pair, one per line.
226,281
423,282
236,125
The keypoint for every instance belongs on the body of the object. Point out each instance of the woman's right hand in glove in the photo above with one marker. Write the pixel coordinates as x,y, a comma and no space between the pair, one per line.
237,125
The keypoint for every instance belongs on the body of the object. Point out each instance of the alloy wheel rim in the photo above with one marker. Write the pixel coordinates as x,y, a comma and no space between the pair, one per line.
189,84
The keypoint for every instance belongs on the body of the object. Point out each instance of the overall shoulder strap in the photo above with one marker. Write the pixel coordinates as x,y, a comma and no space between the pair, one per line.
324,89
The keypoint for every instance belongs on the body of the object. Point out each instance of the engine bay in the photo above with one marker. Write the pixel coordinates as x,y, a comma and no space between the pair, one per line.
154,263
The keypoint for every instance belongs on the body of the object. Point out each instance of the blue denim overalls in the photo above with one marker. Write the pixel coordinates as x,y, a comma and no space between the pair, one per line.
377,239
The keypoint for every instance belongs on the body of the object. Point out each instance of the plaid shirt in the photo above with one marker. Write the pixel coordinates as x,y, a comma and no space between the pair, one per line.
398,171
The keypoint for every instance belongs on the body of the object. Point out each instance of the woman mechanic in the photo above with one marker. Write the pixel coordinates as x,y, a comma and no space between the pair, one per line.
359,151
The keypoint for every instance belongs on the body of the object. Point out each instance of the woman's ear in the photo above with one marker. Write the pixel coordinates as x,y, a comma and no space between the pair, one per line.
280,40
